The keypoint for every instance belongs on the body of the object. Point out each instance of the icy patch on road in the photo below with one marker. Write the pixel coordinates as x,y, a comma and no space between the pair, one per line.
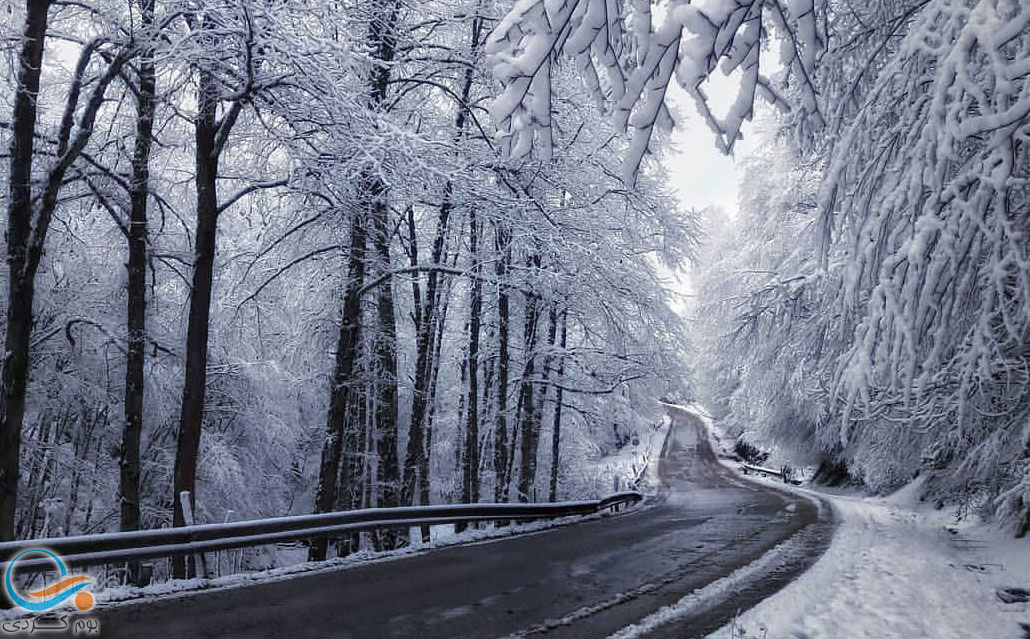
898,569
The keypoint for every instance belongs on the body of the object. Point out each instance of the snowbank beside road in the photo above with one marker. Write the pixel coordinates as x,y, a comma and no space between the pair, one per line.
898,569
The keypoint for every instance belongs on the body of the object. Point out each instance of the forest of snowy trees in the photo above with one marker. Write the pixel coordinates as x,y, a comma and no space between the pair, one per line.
868,309
295,256
272,254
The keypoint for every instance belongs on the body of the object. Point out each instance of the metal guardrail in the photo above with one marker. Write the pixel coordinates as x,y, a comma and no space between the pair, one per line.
761,470
785,474
115,548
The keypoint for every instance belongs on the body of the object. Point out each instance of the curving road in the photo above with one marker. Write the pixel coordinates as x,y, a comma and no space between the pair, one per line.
588,579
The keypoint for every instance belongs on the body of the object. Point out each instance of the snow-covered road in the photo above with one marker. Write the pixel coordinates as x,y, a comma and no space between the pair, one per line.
704,540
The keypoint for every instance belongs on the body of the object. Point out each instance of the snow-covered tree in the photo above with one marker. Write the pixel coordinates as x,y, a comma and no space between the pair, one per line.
916,254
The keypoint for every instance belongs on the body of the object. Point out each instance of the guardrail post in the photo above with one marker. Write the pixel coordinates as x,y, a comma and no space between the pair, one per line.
187,515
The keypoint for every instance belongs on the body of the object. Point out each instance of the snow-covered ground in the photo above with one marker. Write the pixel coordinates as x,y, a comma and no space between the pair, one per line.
896,569
899,569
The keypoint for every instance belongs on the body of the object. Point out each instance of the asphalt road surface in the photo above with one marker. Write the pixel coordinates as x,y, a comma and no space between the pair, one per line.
584,580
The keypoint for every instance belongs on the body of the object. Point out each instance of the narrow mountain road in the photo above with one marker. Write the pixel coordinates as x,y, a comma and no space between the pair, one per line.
584,580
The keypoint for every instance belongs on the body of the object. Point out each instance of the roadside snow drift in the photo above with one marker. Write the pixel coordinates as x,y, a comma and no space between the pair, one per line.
897,569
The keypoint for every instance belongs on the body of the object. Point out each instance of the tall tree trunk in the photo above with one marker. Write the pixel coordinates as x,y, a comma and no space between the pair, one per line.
502,451
470,464
415,459
443,300
383,38
192,415
373,212
352,467
129,479
418,458
541,401
463,367
29,221
347,347
21,285
529,431
556,432
416,294
385,348
416,287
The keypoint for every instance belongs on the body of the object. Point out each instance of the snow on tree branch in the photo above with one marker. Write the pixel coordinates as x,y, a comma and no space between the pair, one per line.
627,59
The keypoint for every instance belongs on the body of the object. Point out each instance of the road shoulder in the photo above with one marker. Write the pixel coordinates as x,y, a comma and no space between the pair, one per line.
898,569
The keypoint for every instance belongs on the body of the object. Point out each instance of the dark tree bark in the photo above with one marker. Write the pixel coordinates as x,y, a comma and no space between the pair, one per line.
463,367
416,316
192,414
383,38
442,302
28,222
385,348
416,457
470,465
416,287
347,348
353,465
210,135
528,427
427,343
502,453
373,213
129,464
20,289
556,432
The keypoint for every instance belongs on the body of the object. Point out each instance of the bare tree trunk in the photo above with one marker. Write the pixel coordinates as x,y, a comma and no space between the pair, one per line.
556,432
129,478
502,452
443,300
470,464
417,462
487,388
191,418
383,38
352,468
530,433
416,294
347,347
416,287
373,212
385,348
20,284
416,456
28,222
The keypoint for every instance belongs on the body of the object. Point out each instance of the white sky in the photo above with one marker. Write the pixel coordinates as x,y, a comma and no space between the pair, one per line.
699,173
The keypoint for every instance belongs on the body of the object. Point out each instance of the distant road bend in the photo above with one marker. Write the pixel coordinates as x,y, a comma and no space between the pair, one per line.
584,580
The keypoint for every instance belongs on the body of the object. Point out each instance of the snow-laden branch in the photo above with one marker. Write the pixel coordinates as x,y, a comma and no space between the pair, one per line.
627,62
